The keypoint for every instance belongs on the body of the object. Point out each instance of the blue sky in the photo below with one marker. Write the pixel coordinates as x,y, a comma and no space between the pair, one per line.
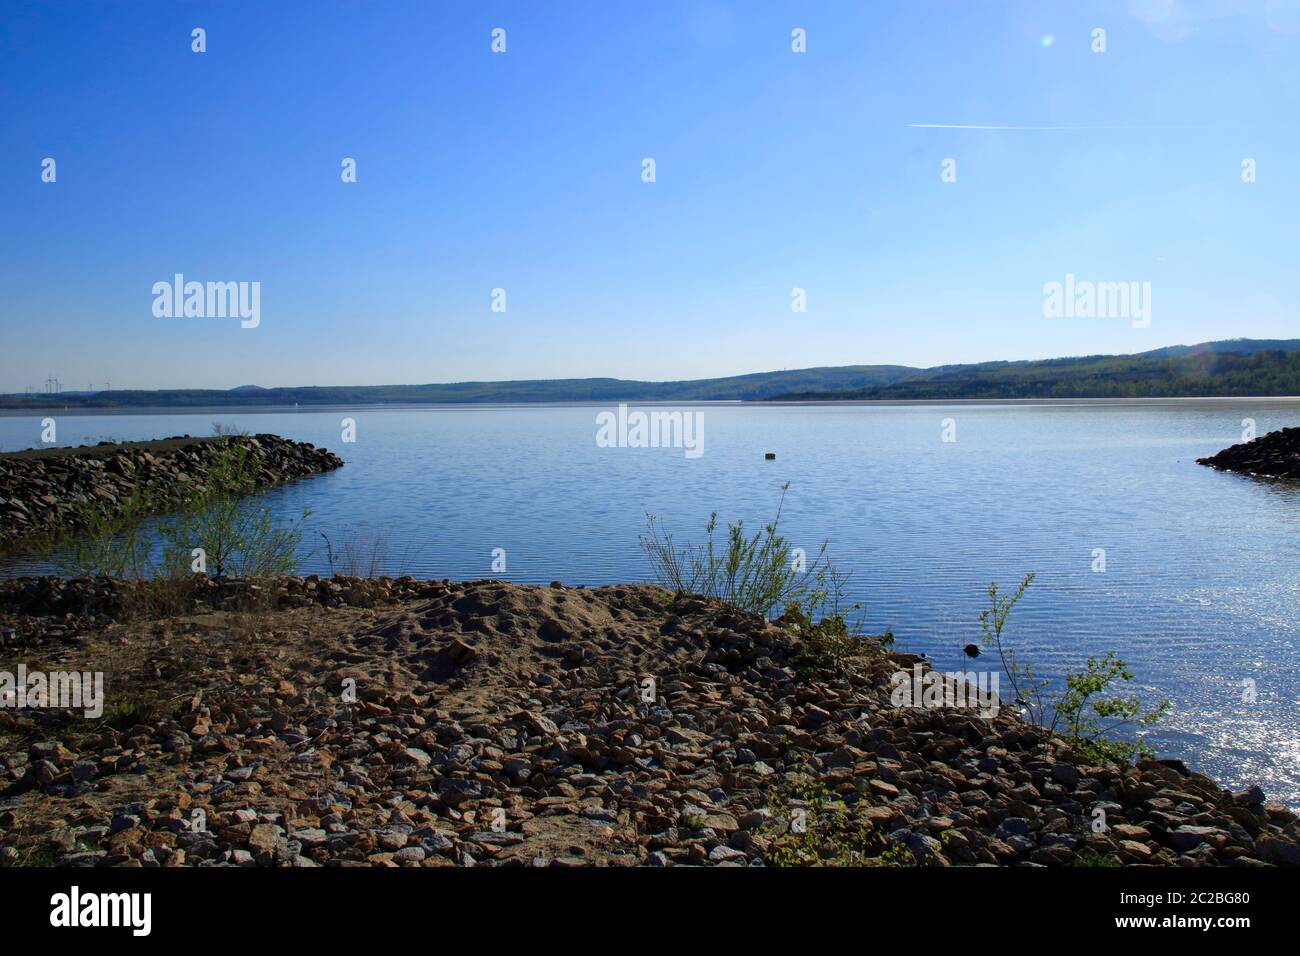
522,171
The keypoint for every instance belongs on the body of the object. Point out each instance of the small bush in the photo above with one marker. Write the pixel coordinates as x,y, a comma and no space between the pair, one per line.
107,543
1079,712
239,536
754,573
1087,730
813,827
825,645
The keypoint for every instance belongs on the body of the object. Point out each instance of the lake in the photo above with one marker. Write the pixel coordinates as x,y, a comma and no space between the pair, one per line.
1199,592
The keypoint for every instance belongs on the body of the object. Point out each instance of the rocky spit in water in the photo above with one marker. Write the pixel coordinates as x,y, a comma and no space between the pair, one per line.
500,724
48,490
1275,455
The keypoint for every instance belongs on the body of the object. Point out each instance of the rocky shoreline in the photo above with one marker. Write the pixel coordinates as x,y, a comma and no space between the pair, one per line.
46,491
359,722
1275,455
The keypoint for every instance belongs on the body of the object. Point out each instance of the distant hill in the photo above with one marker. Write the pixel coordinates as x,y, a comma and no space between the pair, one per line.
1241,346
1226,368
1211,369
755,386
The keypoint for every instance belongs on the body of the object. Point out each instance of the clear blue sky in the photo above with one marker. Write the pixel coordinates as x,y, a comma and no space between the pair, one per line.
523,171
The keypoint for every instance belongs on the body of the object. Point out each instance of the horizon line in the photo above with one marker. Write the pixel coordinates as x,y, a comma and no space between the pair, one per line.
638,381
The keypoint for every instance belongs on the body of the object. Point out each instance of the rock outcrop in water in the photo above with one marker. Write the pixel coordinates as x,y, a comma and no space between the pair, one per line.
501,724
49,490
1275,455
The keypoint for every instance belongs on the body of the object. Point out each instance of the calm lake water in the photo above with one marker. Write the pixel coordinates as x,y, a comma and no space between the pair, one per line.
1200,592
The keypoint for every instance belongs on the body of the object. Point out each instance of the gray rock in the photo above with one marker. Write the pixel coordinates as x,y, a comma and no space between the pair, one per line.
417,756
1013,826
453,791
1021,844
1274,850
79,858
1068,840
1251,796
434,841
925,849
721,854
1188,837
123,822
1065,774
310,837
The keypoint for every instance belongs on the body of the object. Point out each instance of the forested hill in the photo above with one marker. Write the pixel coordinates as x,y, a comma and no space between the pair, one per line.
750,387
1190,374
1226,368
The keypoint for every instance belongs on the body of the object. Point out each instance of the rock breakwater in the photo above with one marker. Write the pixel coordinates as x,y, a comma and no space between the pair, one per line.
52,490
1275,455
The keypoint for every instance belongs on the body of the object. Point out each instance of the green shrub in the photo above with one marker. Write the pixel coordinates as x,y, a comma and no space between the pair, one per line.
812,827
1087,730
827,645
1080,711
106,543
239,535
754,573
